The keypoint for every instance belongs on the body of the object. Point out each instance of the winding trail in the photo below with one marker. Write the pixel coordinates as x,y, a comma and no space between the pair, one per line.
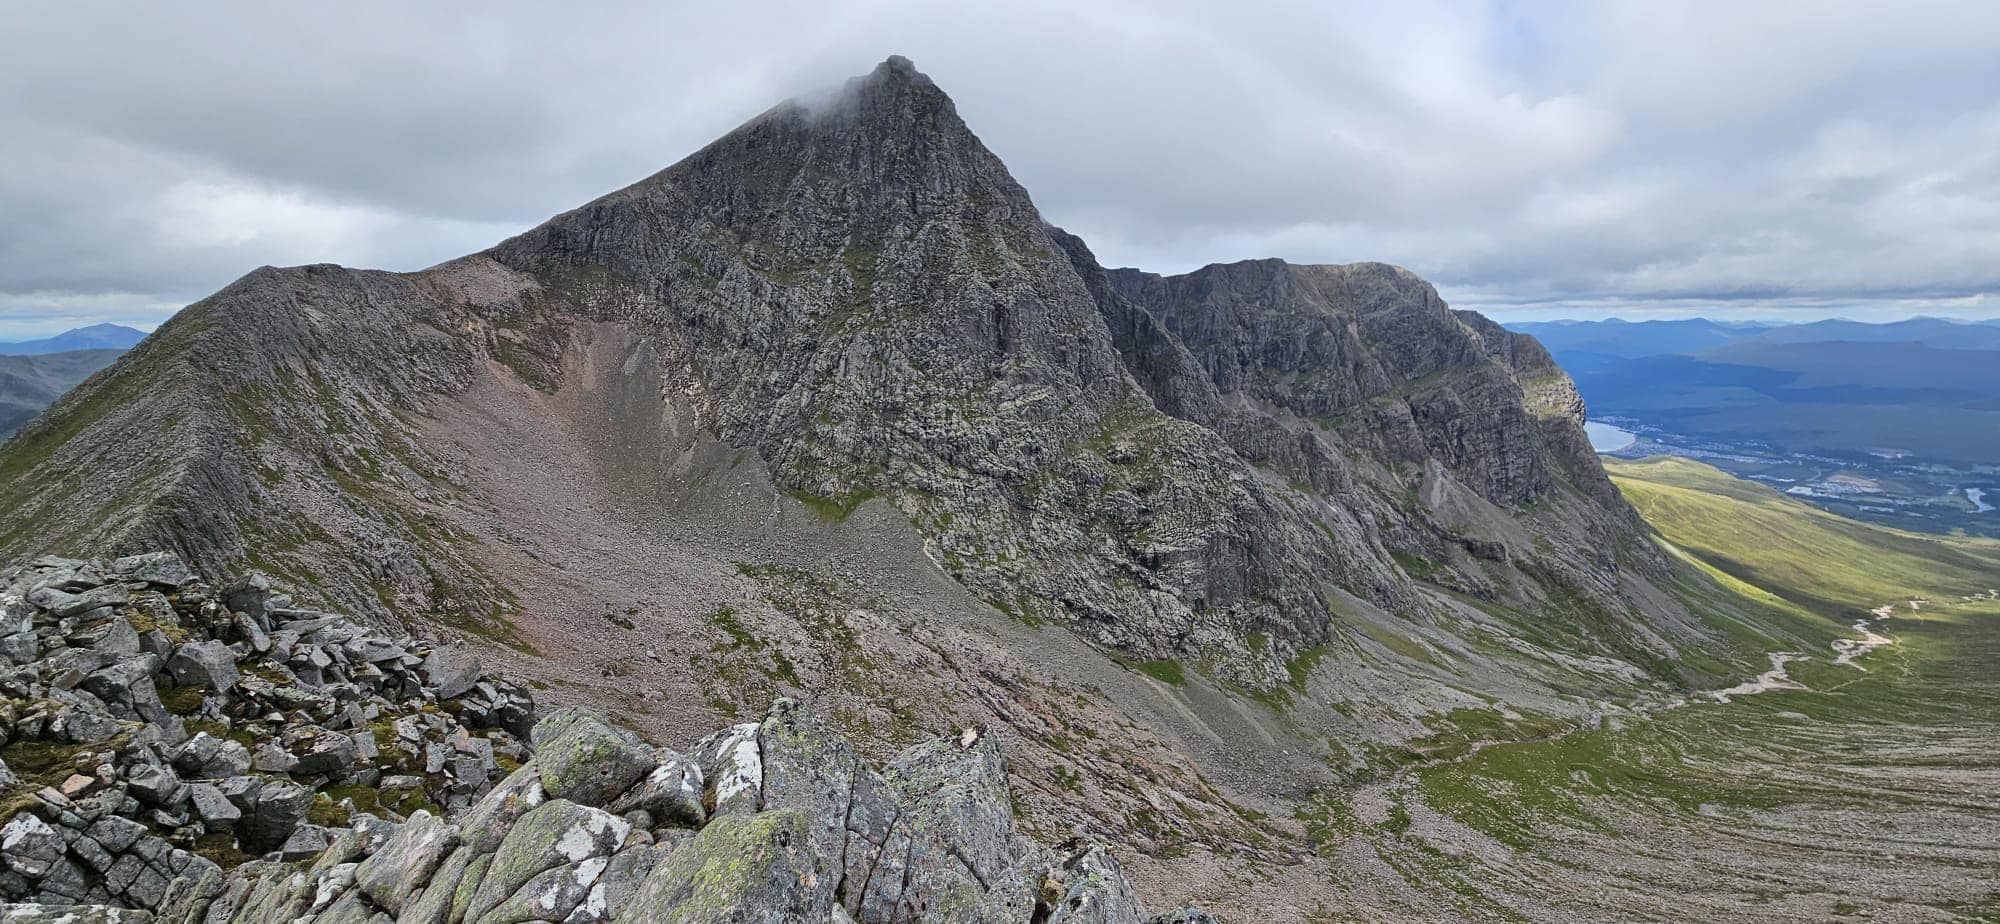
1371,801
1777,678
1845,650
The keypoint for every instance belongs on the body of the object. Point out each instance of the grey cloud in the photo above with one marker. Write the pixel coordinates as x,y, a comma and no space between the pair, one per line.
1527,156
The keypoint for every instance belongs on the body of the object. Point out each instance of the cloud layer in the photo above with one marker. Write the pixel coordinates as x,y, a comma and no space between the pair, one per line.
1531,158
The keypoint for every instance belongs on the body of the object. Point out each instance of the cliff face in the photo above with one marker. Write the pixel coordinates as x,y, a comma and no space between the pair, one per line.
861,294
815,407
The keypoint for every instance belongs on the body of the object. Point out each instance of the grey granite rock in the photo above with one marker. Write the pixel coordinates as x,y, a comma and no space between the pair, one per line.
30,847
161,569
405,864
451,670
670,792
208,664
586,759
556,834
762,868
275,813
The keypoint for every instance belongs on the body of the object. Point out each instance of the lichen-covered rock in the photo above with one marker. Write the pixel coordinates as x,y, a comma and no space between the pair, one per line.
931,839
405,864
586,759
29,847
72,914
810,768
754,869
671,792
489,819
555,834
1092,890
732,769
955,789
310,690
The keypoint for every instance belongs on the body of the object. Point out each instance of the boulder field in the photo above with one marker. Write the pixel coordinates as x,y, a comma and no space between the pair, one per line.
176,752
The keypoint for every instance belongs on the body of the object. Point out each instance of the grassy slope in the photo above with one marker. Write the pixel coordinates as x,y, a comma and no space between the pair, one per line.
1785,805
1804,555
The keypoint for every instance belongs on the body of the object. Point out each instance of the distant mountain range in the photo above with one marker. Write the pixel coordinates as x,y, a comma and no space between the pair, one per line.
94,337
34,373
1617,337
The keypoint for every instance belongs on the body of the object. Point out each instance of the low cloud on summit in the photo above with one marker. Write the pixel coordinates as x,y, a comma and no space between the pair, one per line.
1533,159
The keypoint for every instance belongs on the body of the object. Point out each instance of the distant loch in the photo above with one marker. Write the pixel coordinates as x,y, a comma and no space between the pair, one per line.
1607,438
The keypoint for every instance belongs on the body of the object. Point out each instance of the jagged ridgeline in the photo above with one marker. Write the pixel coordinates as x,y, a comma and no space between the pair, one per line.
1198,467
827,409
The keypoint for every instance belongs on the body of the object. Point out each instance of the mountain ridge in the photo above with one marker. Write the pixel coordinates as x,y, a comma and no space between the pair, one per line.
827,405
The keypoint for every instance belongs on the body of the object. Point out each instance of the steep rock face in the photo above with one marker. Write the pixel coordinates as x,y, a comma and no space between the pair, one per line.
1368,355
860,293
1436,433
869,300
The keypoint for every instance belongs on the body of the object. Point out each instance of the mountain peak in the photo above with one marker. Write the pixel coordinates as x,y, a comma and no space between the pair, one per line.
894,97
897,67
881,157
848,308
895,75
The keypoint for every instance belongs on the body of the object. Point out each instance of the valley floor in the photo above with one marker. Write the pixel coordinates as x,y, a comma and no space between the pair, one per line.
1872,793
1853,788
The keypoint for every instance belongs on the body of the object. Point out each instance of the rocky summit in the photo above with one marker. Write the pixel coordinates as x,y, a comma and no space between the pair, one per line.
182,754
827,410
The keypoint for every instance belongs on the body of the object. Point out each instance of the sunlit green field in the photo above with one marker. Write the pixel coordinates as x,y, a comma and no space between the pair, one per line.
1871,793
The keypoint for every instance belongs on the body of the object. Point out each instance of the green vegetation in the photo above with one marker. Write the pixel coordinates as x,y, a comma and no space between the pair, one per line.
1801,554
860,263
37,764
1893,753
723,618
834,509
1419,567
1168,671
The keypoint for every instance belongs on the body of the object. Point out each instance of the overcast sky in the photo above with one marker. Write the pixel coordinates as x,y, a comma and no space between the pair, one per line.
1533,160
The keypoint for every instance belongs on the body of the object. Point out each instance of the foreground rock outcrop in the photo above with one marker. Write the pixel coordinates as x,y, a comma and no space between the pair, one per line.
195,756
154,728
766,821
